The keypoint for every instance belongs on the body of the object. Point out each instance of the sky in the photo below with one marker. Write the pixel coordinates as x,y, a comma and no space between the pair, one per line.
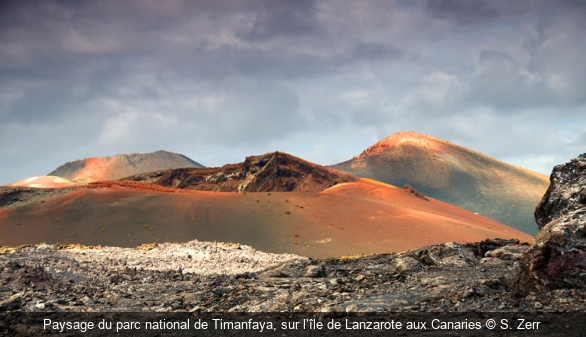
221,80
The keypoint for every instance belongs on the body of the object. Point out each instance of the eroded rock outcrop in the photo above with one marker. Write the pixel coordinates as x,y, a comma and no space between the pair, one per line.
557,258
566,192
271,172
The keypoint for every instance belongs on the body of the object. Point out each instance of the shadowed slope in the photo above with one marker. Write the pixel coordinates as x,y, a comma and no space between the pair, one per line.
455,175
116,167
275,171
350,218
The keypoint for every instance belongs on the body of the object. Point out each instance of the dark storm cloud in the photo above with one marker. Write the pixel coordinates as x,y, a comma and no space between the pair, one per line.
66,38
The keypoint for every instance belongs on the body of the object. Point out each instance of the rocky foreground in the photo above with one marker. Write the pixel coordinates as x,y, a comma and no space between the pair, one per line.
203,276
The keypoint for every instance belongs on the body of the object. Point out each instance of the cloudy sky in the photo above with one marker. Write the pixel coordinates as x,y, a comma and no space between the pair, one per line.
322,80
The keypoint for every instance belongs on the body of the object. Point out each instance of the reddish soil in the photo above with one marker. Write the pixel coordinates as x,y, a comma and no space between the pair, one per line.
350,218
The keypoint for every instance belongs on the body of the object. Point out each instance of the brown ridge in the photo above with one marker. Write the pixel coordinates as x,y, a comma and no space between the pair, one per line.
271,172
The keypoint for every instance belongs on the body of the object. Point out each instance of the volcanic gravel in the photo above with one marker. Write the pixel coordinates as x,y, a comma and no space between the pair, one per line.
205,276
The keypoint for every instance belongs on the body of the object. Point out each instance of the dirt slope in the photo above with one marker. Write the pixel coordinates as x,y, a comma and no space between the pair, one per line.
350,218
455,175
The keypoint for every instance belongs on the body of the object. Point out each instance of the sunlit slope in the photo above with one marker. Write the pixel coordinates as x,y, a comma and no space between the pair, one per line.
455,175
44,182
350,218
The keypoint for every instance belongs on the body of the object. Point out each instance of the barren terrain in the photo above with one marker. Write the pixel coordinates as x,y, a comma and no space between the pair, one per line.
350,218
271,172
453,174
116,167
204,276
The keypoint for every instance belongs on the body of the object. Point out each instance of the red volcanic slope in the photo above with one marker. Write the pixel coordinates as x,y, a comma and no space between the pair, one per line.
350,218
44,182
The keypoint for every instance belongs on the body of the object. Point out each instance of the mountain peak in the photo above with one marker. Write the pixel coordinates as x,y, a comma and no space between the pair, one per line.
411,137
121,165
270,172
453,174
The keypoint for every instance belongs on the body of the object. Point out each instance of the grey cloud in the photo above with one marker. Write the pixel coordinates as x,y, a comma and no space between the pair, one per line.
52,90
499,82
463,11
96,78
490,55
232,60
375,52
281,18
552,75
61,39
40,103
251,115
227,61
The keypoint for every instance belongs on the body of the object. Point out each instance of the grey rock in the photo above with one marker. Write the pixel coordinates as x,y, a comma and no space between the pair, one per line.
220,277
566,192
446,255
511,252
406,263
11,302
314,271
557,258
390,302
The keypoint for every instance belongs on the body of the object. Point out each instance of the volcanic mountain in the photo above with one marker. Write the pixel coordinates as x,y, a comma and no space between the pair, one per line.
455,175
116,167
285,205
271,172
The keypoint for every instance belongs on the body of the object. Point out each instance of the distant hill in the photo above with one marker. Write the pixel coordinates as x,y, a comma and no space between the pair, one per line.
116,167
454,174
290,206
271,172
44,182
